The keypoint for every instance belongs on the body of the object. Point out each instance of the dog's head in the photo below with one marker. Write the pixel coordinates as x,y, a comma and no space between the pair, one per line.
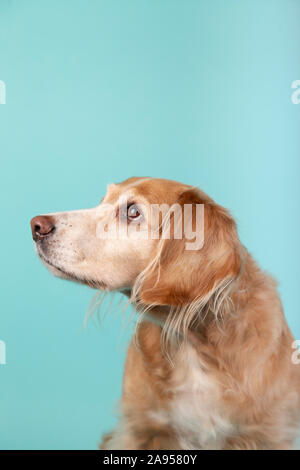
147,236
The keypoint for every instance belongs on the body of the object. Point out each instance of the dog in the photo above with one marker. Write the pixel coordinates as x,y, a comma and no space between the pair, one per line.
210,365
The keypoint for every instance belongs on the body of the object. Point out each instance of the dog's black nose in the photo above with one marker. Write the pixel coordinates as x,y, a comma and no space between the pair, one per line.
41,226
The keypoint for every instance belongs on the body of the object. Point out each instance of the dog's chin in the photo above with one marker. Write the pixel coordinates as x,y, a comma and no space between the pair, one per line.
60,272
55,270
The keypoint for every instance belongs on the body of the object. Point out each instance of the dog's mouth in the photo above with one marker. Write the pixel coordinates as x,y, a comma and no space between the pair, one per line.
60,272
50,263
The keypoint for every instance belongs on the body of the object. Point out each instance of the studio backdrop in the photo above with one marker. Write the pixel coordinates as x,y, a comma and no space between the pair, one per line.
93,92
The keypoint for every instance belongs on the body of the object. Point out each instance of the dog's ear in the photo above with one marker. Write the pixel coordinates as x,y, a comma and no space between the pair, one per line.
180,275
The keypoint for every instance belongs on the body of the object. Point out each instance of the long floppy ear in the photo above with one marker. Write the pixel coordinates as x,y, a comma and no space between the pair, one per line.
181,276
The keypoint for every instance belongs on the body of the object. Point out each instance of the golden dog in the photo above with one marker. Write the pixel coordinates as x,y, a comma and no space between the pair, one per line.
212,365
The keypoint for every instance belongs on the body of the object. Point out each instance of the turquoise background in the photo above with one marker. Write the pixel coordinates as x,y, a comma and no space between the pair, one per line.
97,91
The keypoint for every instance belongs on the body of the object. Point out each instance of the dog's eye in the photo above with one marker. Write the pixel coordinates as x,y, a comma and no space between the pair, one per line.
133,212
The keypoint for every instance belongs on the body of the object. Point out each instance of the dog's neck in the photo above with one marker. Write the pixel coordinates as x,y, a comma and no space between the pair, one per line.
208,320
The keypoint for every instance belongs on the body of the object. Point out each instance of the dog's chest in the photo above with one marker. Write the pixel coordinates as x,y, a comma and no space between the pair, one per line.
197,413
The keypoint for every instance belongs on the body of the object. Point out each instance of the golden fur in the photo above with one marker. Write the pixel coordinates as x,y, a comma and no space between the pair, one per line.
211,367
